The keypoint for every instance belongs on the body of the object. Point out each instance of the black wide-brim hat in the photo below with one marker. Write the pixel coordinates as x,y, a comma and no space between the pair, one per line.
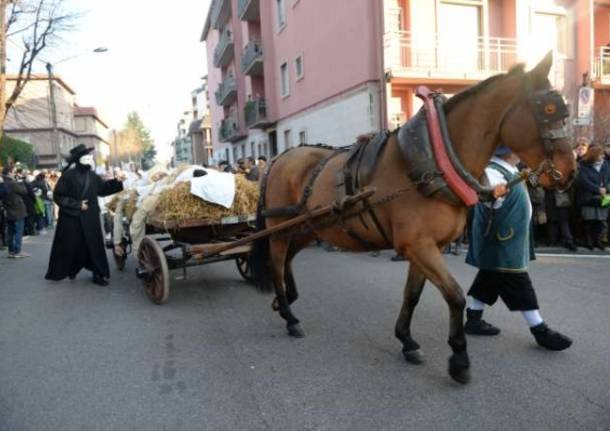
77,152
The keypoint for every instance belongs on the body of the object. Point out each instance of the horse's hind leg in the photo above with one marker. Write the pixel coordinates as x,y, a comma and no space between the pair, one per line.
296,245
429,260
412,292
279,253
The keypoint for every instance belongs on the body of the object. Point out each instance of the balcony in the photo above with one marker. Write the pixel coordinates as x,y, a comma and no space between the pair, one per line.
252,59
220,13
601,66
225,50
227,92
229,130
432,56
249,10
255,113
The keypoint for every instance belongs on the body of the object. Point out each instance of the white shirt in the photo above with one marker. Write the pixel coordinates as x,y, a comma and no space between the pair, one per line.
495,178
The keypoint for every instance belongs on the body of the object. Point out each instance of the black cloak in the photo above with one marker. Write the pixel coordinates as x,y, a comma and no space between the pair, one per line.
78,241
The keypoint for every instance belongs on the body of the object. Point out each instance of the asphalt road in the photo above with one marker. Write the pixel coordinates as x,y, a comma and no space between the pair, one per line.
74,356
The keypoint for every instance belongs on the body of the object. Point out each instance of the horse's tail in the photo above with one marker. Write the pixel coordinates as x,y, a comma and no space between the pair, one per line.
260,254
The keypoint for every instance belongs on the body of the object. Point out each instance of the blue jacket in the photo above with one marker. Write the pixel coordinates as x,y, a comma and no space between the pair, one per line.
589,181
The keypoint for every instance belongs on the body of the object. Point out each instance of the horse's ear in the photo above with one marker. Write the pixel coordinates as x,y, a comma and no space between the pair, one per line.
540,73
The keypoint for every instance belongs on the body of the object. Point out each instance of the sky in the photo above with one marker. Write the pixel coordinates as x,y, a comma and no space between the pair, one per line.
154,60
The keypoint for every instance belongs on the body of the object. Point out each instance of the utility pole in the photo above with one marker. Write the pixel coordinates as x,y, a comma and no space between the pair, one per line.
55,132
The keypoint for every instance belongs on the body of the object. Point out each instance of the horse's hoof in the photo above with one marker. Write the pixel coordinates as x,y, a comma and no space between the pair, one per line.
275,305
459,368
413,356
296,331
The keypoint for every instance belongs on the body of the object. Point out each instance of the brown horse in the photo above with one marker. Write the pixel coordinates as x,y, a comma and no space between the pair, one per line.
496,110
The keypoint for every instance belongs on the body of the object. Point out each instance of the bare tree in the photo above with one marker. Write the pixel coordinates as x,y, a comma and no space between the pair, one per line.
34,26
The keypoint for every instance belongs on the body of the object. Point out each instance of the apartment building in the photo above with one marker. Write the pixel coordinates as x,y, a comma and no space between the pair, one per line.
288,71
30,118
92,131
183,145
200,128
281,73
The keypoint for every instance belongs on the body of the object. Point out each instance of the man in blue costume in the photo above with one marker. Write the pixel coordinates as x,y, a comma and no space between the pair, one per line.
501,247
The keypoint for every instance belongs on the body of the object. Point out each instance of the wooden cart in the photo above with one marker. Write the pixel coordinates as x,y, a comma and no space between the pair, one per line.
188,243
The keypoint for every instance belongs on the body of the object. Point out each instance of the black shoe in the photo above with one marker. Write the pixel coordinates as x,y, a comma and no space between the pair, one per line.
99,280
398,258
475,325
550,339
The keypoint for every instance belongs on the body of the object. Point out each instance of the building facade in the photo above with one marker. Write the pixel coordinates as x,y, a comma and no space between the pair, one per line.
30,119
277,80
182,146
92,132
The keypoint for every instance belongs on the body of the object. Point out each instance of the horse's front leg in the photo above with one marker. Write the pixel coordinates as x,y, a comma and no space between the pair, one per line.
429,260
412,292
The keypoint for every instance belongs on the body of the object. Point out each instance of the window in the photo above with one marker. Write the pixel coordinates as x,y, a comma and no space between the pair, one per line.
243,150
252,150
227,157
287,141
259,150
302,137
284,80
298,65
235,155
281,14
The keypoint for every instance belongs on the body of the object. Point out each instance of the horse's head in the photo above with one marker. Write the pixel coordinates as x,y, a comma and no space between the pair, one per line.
533,127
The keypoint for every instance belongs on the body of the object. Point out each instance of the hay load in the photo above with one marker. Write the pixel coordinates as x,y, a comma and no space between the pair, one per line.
130,206
178,204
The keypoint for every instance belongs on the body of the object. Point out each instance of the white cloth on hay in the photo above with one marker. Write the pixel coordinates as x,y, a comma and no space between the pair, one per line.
215,187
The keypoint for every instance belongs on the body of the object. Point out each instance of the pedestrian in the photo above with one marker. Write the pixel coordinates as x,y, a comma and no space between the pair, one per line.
261,163
582,146
592,185
252,172
78,242
41,190
15,193
29,199
501,248
3,193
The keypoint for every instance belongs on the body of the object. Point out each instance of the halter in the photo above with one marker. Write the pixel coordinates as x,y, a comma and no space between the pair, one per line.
548,108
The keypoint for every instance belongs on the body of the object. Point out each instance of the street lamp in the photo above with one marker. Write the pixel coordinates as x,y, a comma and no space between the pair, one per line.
55,132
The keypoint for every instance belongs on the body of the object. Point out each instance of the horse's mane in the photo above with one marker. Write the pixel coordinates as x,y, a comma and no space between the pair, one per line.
516,70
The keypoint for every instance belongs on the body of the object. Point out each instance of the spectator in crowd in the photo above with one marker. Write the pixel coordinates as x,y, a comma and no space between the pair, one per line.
41,190
29,199
582,145
3,193
558,204
14,203
252,172
539,214
261,163
241,166
592,185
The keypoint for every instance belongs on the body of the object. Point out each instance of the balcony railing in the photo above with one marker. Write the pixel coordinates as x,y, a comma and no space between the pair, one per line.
249,10
227,92
220,13
255,113
430,55
229,129
601,66
252,59
223,54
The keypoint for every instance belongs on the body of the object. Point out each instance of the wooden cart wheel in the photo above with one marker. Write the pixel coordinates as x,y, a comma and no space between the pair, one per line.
243,266
154,270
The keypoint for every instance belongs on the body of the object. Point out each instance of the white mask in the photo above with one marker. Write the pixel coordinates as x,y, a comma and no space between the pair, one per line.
87,160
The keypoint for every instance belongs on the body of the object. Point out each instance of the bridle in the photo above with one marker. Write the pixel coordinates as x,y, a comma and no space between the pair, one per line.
549,111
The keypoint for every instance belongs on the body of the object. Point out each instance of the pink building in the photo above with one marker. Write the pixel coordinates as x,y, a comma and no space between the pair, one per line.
293,71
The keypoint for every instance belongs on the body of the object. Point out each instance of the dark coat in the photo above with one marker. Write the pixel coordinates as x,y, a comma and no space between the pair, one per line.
14,200
29,199
78,241
588,183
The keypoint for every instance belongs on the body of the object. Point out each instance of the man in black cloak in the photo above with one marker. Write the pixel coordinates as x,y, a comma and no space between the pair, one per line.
78,241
